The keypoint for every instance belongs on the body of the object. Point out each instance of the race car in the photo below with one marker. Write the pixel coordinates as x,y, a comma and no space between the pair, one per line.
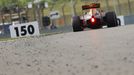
93,17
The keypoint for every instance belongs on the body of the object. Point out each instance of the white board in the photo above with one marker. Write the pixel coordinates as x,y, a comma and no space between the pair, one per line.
24,30
121,19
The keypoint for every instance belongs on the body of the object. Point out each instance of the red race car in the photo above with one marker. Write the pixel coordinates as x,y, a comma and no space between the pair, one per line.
94,18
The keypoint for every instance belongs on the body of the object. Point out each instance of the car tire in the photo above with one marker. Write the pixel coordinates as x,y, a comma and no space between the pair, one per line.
119,22
111,19
77,24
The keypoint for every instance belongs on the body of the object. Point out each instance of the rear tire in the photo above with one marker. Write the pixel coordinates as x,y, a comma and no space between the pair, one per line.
77,24
111,19
119,22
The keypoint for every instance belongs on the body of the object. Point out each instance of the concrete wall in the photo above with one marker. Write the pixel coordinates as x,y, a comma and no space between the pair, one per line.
126,20
129,19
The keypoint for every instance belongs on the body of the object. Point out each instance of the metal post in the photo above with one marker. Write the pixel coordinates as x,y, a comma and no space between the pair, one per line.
2,16
119,7
3,20
129,7
107,4
115,6
19,13
64,17
73,2
38,13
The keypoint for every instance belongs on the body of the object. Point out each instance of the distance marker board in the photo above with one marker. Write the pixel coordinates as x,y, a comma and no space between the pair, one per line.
24,30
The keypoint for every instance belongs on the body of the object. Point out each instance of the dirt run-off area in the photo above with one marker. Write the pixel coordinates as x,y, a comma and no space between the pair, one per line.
108,51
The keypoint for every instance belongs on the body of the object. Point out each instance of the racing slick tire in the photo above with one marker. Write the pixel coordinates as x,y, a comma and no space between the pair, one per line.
111,19
77,24
119,22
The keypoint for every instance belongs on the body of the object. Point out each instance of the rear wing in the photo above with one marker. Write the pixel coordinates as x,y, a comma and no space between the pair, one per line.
93,5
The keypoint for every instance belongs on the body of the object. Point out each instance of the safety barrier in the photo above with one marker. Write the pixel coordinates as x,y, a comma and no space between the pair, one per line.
126,20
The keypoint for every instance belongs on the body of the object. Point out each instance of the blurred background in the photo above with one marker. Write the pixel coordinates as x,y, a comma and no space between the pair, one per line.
54,16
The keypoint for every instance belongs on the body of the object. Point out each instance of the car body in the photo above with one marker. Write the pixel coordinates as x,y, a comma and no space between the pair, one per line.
93,17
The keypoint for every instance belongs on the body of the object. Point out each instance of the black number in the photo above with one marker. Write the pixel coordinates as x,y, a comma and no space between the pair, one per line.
31,29
17,31
23,30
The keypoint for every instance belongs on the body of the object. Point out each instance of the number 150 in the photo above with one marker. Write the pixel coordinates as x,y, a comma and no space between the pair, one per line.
24,30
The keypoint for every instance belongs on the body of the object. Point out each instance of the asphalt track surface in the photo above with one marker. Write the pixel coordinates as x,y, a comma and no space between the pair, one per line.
108,51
